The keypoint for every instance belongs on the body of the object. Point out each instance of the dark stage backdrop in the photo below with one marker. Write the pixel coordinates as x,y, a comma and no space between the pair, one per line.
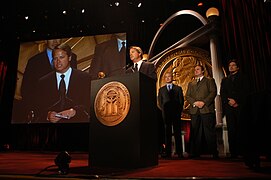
247,36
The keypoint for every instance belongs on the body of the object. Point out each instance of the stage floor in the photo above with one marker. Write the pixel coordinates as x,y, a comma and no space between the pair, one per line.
40,165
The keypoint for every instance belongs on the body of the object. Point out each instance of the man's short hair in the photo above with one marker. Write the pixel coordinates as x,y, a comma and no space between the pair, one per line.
138,49
233,60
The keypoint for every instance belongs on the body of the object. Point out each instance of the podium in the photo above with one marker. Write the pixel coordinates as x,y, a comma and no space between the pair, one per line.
133,141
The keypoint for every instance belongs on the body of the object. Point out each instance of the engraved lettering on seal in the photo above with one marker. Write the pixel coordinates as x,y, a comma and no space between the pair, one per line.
112,103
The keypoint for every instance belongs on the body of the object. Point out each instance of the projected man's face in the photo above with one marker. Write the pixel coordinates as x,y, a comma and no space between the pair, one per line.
61,60
52,43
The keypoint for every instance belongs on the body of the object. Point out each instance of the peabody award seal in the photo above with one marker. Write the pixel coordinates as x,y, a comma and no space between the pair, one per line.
112,103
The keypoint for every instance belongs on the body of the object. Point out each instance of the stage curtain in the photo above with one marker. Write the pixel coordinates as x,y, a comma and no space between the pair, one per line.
246,33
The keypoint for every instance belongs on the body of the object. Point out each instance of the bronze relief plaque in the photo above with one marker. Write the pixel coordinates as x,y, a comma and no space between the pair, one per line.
112,103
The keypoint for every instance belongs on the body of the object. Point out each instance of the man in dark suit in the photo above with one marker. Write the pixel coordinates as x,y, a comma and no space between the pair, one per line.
171,101
109,57
63,95
201,93
234,89
147,68
38,66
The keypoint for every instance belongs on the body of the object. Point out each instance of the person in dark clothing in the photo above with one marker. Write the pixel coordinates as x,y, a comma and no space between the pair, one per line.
234,89
64,94
109,57
147,68
38,66
171,101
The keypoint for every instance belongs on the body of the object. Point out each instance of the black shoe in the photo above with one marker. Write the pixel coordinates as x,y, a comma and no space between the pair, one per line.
215,156
166,156
180,156
194,156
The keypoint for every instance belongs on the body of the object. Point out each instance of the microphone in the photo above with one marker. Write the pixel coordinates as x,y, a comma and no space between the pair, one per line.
119,69
127,65
31,117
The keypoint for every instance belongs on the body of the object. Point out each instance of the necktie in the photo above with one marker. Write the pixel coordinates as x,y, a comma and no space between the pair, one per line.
198,80
62,91
136,68
169,87
122,49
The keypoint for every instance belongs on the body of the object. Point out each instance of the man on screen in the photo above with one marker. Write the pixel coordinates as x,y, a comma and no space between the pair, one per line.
38,66
63,95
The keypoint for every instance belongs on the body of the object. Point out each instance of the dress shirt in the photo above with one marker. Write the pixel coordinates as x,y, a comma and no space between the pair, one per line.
169,86
50,56
120,44
138,64
66,78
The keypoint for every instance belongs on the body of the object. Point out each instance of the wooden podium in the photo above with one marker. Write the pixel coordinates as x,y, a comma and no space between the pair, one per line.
132,143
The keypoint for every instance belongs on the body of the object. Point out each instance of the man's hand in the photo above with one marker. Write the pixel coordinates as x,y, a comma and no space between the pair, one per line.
69,113
54,117
232,102
51,116
199,104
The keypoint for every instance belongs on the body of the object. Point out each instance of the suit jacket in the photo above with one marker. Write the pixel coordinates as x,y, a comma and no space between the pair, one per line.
146,68
171,101
205,91
37,66
237,89
108,59
78,93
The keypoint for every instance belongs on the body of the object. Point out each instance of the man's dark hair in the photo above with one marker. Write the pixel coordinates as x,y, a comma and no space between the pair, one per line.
235,61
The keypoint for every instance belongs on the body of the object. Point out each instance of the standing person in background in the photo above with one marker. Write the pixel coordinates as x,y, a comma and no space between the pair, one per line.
234,89
171,101
147,68
38,66
201,93
109,57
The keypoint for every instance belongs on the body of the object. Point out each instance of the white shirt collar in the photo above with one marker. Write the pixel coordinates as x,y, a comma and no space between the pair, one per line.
66,78
138,64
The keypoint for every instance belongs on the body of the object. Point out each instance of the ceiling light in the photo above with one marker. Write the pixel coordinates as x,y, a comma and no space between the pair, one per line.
212,12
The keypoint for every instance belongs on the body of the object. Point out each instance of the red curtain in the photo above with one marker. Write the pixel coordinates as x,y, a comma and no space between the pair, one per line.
3,71
246,33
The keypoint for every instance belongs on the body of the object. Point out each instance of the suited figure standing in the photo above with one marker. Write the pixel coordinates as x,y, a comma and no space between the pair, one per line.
109,57
38,66
171,101
201,93
136,56
64,92
234,90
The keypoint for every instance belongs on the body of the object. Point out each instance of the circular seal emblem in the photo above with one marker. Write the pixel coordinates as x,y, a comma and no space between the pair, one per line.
112,103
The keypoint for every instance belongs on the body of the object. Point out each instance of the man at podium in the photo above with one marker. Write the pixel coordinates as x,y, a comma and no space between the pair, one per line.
64,94
136,56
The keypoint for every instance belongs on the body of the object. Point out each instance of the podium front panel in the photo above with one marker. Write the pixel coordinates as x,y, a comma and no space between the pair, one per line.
133,142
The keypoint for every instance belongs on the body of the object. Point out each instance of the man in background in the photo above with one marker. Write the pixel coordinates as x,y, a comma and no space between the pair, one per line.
109,57
234,89
200,94
171,101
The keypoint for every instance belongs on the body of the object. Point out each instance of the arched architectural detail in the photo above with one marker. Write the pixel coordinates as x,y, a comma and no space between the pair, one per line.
169,20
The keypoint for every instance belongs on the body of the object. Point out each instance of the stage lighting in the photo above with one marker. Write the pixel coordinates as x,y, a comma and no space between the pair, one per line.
63,160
